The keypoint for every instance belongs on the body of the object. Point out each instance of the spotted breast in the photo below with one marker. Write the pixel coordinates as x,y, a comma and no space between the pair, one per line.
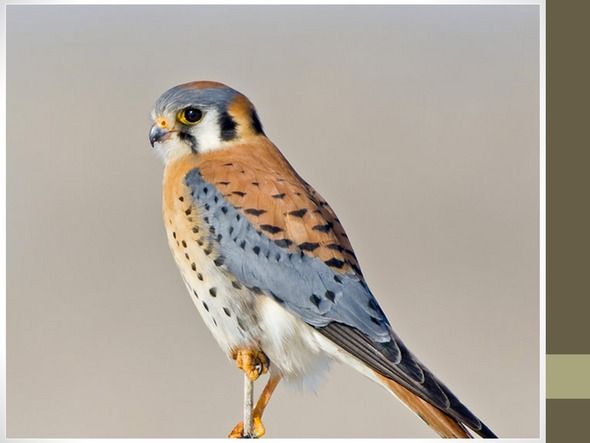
225,304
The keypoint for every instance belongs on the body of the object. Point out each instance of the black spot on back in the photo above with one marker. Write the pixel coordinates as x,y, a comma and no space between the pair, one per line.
309,246
334,262
323,228
315,300
330,296
213,292
298,213
283,242
271,228
254,211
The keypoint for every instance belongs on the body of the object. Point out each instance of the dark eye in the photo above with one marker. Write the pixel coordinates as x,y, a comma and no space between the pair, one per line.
190,116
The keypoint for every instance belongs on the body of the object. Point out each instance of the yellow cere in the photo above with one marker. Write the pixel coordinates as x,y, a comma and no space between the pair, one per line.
162,123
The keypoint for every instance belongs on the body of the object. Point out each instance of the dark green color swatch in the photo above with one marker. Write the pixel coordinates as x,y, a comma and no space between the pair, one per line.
567,420
568,178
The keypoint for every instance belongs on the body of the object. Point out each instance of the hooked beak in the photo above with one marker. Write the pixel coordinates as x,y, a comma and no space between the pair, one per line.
158,134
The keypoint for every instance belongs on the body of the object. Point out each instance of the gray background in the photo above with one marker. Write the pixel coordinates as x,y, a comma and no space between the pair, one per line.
418,124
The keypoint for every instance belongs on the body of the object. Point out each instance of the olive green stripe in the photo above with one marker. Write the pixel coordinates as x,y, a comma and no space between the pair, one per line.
568,376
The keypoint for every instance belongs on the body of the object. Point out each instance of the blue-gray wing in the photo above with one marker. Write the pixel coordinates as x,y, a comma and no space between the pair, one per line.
338,304
304,284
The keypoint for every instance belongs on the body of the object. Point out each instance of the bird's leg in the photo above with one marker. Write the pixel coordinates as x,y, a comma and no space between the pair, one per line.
257,426
247,432
252,361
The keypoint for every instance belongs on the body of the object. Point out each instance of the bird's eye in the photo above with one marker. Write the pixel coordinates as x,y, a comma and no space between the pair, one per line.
190,116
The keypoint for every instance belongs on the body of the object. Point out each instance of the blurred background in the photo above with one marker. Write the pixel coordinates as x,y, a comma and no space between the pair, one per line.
419,124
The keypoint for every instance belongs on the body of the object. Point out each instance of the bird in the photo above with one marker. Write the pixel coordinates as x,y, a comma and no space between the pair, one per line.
268,264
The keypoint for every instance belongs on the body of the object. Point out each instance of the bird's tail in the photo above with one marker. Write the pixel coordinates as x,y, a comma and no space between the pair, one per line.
445,425
454,421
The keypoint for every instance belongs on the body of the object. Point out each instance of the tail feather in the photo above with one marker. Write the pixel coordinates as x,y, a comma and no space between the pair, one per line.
405,377
443,424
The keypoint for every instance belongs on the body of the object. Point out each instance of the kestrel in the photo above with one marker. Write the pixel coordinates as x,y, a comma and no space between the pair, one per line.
268,264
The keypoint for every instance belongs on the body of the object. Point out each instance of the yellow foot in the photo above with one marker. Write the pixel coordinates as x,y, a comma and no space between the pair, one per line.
257,429
252,361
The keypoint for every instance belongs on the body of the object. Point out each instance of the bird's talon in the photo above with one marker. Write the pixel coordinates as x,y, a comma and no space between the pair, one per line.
257,429
253,362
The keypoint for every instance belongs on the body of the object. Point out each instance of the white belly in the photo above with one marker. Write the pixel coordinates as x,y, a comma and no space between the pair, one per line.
294,348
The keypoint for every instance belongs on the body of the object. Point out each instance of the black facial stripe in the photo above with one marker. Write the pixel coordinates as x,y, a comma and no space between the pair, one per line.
192,141
228,126
256,125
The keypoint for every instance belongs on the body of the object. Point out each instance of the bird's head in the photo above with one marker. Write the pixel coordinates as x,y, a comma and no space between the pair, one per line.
198,117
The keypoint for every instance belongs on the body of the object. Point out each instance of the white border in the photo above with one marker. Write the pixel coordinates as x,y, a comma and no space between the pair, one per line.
542,184
292,2
542,219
